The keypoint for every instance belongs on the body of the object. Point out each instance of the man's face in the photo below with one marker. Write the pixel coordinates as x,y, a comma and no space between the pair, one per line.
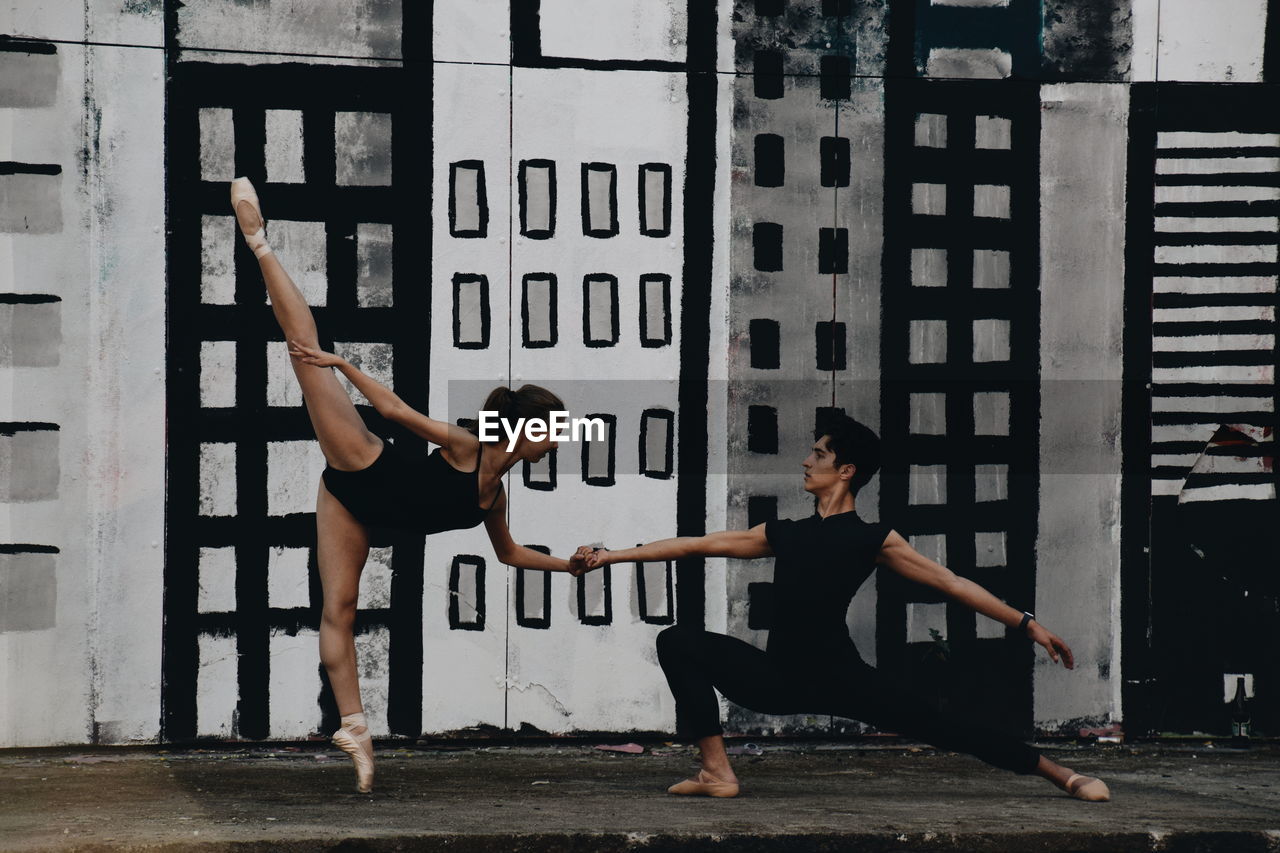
820,471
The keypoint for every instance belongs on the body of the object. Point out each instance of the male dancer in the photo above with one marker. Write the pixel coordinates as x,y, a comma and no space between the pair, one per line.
811,665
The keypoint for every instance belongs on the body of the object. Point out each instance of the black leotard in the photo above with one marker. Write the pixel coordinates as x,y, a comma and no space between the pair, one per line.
425,496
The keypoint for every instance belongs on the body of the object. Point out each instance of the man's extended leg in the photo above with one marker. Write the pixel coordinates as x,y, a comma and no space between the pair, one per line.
869,695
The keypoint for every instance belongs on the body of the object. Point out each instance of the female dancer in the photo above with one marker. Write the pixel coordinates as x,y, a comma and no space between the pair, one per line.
368,483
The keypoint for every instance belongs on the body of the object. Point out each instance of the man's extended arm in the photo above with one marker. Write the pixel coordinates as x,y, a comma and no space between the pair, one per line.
745,544
897,554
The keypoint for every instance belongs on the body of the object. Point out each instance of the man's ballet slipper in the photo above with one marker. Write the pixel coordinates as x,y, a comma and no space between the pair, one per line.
354,745
704,785
243,191
1090,789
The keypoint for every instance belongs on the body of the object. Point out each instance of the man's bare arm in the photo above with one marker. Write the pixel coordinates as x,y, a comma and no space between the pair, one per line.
745,544
897,554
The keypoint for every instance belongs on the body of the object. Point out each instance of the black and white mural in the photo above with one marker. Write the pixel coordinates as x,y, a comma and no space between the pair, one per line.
1032,242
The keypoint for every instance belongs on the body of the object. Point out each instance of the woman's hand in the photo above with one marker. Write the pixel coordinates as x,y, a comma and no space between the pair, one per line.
578,562
314,357
1052,643
597,557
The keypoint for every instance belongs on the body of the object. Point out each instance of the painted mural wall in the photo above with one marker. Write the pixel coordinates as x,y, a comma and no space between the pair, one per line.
1034,244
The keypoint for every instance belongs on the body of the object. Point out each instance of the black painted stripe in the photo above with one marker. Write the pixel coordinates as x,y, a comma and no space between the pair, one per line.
1256,418
1176,448
1261,449
608,64
695,314
14,427
1213,327
28,298
1225,153
1212,209
1199,480
1137,657
1216,358
16,548
9,167
1271,45
18,44
1182,448
1220,179
1201,300
1214,389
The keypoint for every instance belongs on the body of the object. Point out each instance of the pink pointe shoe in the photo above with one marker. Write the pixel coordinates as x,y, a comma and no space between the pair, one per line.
359,747
704,785
242,191
1088,788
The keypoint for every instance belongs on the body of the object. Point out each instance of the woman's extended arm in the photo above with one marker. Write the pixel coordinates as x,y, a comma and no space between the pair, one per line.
727,543
383,399
897,554
507,551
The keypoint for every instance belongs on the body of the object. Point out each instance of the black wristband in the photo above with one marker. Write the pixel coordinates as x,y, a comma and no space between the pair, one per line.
1026,617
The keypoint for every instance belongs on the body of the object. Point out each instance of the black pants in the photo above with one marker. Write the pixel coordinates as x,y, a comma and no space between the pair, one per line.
696,661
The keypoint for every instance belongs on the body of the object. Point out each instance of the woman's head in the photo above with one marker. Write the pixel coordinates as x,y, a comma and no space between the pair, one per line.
526,402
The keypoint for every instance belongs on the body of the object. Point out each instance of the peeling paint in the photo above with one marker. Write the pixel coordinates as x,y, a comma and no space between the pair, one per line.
1088,39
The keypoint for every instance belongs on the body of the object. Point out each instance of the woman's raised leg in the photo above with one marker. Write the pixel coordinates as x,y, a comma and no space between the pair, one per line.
342,546
347,443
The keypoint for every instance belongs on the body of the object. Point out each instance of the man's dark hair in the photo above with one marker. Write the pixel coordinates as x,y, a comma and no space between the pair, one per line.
853,443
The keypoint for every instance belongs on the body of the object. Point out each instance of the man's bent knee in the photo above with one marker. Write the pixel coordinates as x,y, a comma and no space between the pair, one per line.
674,640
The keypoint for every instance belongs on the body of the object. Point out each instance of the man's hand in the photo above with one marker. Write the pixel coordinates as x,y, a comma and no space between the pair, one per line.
1052,643
578,562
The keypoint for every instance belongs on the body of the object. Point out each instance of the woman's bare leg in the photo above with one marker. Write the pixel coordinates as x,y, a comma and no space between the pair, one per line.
347,443
342,547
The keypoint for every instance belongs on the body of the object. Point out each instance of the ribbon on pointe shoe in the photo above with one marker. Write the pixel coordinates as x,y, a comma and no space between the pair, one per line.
353,744
242,191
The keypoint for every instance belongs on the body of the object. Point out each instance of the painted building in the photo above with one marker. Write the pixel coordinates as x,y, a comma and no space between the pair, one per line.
1033,243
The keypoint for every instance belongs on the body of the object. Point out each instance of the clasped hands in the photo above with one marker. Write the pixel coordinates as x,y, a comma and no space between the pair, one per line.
587,558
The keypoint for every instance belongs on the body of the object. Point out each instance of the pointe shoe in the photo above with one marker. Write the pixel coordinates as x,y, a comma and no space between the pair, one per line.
1089,789
242,191
704,785
360,748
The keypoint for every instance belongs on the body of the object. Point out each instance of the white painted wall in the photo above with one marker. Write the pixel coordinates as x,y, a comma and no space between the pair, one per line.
94,673
1082,295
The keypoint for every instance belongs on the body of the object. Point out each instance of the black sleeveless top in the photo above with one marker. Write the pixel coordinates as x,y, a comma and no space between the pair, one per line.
425,496
819,563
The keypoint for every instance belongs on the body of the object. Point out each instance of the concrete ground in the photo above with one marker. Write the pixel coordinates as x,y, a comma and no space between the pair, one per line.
1192,796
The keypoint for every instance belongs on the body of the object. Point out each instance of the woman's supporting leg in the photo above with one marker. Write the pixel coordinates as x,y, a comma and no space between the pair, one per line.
342,546
347,443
